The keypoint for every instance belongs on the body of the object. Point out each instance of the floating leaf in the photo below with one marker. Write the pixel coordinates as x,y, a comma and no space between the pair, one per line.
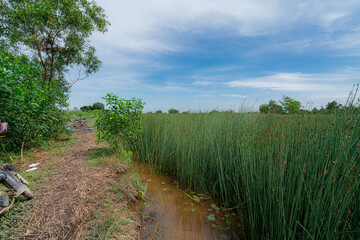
163,183
148,180
196,199
192,192
215,207
211,217
192,204
213,225
165,189
209,209
193,210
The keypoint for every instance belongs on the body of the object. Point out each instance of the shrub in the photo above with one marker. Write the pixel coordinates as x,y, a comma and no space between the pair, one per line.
30,105
98,106
121,124
173,111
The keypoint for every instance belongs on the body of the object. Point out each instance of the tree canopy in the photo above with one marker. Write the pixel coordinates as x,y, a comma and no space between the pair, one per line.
288,105
54,33
173,111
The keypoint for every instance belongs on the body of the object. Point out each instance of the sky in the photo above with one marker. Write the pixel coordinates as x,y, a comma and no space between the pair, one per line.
202,55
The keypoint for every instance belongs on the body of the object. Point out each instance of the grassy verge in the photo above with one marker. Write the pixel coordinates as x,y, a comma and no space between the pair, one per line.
115,217
289,176
71,115
12,222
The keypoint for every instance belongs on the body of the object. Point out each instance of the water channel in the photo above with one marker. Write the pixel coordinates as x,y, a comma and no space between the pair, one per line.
171,213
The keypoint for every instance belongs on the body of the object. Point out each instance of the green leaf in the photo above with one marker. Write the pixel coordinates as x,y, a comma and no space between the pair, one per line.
211,217
215,207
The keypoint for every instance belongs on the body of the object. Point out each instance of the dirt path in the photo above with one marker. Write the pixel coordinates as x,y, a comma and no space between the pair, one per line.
66,200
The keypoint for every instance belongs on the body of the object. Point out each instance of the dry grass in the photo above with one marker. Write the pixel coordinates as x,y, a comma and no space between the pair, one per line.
78,200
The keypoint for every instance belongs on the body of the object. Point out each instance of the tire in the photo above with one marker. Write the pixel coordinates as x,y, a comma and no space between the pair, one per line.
28,194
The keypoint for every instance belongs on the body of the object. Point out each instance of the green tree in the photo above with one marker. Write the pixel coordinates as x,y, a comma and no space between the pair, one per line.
55,33
332,105
290,105
158,111
86,108
264,108
98,106
173,111
272,107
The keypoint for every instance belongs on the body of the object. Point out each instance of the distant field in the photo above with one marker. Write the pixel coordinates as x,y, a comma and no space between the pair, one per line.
290,176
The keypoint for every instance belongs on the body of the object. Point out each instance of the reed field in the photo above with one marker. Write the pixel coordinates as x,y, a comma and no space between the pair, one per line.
288,176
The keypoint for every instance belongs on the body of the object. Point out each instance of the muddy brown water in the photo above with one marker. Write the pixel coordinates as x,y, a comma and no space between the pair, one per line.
170,213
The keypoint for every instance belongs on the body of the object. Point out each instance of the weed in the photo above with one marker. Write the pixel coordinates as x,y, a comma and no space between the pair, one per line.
115,219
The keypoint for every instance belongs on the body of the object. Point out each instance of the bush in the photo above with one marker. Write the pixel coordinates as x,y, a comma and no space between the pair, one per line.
98,106
95,106
85,108
173,111
121,124
30,105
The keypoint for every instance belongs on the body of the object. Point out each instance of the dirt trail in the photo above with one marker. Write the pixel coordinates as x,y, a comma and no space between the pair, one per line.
66,199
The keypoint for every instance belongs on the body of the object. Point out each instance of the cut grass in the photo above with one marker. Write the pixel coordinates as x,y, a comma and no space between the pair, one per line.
12,221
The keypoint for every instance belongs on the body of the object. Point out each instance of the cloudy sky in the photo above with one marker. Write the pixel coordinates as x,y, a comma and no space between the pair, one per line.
206,54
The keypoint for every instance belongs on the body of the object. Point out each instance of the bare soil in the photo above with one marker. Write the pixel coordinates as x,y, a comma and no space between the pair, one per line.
67,199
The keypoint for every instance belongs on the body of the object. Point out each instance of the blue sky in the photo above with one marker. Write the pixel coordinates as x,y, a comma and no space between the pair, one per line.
205,54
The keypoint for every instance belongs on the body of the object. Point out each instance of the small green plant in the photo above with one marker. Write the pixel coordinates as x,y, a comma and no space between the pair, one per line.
121,124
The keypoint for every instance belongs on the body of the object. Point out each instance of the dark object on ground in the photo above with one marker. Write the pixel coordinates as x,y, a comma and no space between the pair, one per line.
11,178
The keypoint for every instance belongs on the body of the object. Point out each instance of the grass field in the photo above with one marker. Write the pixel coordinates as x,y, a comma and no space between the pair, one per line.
289,176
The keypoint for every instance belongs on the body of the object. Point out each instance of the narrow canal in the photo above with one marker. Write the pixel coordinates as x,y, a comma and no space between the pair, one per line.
171,213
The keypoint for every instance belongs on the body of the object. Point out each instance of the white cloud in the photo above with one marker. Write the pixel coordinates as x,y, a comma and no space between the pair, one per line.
203,83
204,95
154,26
300,82
234,95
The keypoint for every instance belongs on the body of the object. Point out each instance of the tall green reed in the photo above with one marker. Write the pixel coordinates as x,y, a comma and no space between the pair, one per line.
289,176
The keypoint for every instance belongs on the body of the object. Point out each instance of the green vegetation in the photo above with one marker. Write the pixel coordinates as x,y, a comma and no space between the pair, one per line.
114,219
95,106
121,124
29,105
289,176
71,115
288,105
56,33
173,111
40,42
